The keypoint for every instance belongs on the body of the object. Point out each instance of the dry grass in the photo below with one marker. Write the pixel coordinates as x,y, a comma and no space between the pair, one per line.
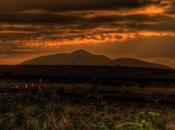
83,107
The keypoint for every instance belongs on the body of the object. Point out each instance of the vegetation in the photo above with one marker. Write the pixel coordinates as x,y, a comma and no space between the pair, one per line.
58,110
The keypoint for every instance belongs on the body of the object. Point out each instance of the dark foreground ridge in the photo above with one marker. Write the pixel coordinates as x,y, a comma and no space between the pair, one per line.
87,74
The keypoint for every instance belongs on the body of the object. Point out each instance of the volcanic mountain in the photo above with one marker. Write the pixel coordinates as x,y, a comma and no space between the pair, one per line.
79,57
82,57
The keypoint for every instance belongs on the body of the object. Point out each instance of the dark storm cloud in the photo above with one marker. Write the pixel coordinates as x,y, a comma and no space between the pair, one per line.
128,26
49,11
62,5
137,21
10,10
58,18
159,23
38,18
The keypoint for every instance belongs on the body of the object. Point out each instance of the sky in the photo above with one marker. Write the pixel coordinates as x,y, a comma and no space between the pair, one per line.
143,29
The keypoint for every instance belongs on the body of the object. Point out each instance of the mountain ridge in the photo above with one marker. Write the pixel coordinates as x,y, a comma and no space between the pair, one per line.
131,62
79,57
83,57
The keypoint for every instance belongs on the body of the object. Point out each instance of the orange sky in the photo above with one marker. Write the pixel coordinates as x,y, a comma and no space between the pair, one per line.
113,28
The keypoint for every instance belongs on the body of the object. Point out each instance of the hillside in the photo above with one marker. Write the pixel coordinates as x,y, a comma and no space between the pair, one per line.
82,57
130,62
79,57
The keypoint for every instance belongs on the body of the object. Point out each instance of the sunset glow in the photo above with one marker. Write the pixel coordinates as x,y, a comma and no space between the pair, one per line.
153,10
30,29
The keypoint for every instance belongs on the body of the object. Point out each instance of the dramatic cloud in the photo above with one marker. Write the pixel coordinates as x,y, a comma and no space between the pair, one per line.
64,5
31,28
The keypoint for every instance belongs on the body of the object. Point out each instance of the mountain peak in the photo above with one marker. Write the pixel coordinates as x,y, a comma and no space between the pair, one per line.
83,57
79,57
81,52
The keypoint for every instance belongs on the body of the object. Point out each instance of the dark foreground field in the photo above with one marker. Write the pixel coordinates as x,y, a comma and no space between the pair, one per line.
86,98
88,74
83,107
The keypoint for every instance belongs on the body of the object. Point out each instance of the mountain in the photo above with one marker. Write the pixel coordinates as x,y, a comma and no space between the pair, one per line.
130,62
79,57
82,57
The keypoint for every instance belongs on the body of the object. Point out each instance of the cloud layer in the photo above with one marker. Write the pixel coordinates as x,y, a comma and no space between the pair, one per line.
117,27
64,5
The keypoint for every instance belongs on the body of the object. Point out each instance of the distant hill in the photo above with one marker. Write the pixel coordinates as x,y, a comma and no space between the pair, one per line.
130,62
79,57
82,57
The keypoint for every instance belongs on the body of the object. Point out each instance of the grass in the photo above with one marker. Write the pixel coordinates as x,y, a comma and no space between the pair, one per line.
81,107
